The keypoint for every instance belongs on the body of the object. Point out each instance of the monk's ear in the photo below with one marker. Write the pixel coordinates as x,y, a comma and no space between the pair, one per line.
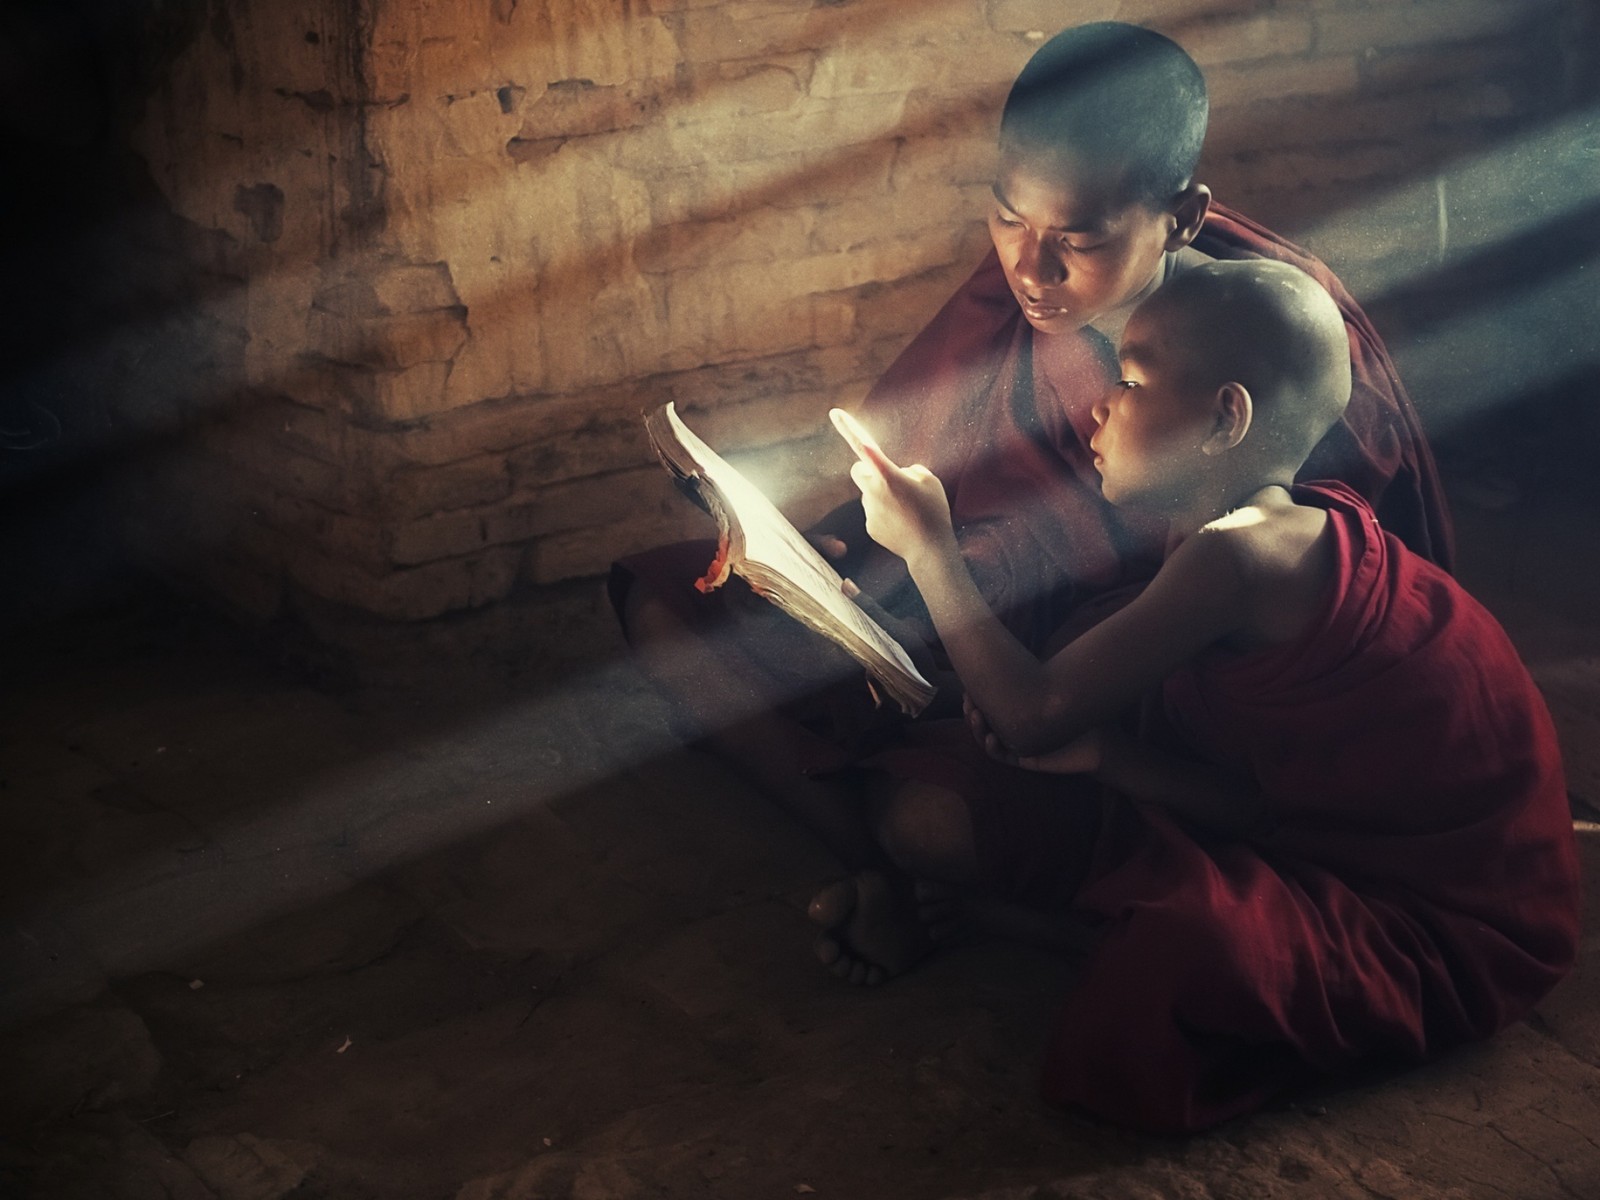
1189,213
1232,412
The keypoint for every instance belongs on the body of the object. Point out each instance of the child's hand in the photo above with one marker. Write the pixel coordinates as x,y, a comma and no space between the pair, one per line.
906,508
830,546
902,631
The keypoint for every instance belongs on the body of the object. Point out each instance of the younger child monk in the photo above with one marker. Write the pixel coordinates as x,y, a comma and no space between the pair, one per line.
1349,843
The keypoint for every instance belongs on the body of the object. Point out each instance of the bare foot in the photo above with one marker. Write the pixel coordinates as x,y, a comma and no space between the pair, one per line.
870,928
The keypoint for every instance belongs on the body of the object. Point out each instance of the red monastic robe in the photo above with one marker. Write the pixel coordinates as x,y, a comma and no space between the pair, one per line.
1002,416
1418,888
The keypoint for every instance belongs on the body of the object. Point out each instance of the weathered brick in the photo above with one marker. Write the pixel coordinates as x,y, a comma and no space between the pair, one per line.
860,225
455,50
350,295
939,112
761,235
904,307
1048,16
615,498
1311,127
825,125
735,382
1243,84
496,426
1309,168
411,594
589,553
753,310
603,442
1439,22
710,35
417,491
714,190
390,343
1237,40
948,62
440,535
875,262
709,315
1182,12
407,395
358,539
404,341
576,107
414,288
928,163
729,91
1427,66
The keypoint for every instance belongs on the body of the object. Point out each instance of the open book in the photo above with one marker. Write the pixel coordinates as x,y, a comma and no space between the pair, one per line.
757,542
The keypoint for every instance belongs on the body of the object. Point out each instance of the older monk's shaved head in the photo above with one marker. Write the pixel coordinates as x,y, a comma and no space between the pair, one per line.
1271,327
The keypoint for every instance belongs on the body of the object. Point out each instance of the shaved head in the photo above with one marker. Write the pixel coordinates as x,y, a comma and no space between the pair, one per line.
1118,101
1274,329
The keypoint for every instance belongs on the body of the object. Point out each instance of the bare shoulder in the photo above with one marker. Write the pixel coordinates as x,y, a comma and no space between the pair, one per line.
1283,554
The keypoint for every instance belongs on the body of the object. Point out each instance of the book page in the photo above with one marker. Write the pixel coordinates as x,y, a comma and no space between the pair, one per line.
778,562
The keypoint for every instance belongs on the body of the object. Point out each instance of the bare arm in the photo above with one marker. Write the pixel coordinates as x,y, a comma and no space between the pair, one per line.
1197,792
1197,599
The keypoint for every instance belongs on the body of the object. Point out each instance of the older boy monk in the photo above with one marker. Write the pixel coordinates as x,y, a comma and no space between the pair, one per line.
1095,205
1354,844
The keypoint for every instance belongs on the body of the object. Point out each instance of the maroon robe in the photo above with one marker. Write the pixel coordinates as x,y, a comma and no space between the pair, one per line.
1418,887
1002,416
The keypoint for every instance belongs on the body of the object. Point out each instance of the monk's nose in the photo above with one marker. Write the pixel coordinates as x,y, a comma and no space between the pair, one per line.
1038,267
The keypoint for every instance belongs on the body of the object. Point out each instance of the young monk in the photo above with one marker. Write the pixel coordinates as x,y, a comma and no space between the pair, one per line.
1352,844
1095,205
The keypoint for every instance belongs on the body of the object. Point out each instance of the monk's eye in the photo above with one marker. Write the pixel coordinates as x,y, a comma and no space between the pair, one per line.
1080,249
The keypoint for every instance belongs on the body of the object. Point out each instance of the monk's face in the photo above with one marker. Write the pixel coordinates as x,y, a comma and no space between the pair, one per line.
1153,422
1072,245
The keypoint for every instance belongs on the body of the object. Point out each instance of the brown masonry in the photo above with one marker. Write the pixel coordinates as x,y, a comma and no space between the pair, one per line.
469,241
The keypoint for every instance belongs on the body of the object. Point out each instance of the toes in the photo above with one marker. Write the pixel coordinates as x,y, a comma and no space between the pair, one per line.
857,971
832,906
828,950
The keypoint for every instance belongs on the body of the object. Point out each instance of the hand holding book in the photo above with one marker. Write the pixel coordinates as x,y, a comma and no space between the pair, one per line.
758,543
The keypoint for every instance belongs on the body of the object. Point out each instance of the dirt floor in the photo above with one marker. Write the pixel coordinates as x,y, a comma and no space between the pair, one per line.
263,941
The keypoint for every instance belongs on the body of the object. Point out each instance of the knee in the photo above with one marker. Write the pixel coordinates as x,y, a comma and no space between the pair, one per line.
926,831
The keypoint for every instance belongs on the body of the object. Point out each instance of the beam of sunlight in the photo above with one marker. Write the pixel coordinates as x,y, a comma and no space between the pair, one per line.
339,828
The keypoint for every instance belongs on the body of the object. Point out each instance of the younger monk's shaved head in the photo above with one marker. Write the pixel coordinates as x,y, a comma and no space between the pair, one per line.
1274,329
1121,101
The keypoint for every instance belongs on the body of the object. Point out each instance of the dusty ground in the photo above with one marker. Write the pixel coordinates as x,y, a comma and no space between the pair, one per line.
261,941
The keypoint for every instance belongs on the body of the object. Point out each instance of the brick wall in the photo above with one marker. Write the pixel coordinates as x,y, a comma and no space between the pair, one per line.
464,243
